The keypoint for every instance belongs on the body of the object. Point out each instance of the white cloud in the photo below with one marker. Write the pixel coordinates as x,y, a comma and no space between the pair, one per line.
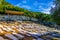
46,10
53,6
23,6
18,4
24,1
26,6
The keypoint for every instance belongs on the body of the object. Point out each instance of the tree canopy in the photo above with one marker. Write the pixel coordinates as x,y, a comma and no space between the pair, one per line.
56,14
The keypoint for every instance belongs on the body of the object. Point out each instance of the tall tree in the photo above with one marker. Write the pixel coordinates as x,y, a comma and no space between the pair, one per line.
56,14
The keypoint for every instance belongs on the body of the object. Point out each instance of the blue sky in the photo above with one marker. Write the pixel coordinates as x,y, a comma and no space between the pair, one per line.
34,5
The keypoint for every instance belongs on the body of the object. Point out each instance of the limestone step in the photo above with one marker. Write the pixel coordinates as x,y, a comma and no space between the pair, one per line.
10,36
19,36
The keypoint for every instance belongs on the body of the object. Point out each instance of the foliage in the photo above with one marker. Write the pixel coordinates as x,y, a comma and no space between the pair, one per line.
58,0
56,16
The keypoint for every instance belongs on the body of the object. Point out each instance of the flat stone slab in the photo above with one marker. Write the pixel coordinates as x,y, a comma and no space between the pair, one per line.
19,36
56,35
10,36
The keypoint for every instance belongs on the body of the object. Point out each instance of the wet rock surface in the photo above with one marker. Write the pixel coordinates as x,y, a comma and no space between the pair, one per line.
26,30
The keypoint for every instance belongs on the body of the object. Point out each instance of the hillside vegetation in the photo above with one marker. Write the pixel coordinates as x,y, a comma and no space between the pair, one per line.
39,15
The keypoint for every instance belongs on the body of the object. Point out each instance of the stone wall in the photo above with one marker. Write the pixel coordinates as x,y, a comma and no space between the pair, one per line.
17,18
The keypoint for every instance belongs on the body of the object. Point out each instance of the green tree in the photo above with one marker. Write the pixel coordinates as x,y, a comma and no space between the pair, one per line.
56,16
